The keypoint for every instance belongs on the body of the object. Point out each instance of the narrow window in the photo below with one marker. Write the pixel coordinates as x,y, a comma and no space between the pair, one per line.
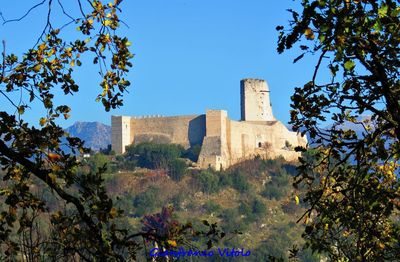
259,144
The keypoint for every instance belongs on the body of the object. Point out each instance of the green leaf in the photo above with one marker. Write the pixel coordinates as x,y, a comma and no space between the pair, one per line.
377,26
382,11
349,65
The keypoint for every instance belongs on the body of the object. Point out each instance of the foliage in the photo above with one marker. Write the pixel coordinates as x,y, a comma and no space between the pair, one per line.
212,207
353,173
208,181
177,169
98,161
166,233
107,151
253,210
277,187
157,156
146,201
275,245
247,212
233,221
239,181
81,221
177,200
154,156
167,230
235,178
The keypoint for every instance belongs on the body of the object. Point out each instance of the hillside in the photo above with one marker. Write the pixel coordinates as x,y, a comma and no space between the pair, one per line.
255,197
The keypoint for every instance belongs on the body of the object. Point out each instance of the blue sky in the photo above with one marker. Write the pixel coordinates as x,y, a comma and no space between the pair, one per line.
190,56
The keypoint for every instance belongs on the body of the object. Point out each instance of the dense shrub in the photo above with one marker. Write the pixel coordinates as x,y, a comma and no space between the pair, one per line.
211,207
278,186
225,179
276,245
98,161
253,210
177,201
258,207
157,156
177,169
273,192
154,156
124,202
208,181
232,221
147,201
239,181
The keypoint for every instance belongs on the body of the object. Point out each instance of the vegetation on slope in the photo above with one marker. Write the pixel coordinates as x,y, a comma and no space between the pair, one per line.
255,197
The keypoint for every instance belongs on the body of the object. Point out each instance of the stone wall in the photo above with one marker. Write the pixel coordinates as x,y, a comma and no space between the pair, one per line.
214,152
184,130
266,139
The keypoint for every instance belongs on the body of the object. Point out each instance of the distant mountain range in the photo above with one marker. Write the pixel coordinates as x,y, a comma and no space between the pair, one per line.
95,134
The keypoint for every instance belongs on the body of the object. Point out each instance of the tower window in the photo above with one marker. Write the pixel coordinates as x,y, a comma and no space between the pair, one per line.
259,144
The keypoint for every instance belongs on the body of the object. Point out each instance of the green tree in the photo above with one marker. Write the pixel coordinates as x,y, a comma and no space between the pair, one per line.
177,169
253,210
208,181
32,155
98,161
146,201
353,173
239,181
151,155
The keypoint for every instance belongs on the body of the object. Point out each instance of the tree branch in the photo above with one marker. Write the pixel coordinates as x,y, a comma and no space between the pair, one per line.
44,176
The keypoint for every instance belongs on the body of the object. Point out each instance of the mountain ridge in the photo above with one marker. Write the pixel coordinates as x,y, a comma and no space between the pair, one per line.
95,134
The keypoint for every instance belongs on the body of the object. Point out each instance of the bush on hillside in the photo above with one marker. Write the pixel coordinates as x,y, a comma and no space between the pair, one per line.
272,192
253,210
147,201
177,201
208,181
278,186
232,221
212,207
177,169
154,156
98,161
239,181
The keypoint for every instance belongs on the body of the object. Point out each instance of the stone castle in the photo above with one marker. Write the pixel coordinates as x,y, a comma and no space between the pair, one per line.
223,141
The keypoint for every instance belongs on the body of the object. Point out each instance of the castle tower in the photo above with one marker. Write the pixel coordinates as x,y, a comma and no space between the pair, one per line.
120,133
255,103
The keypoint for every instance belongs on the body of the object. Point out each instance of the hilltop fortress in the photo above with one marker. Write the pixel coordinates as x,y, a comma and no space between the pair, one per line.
223,141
